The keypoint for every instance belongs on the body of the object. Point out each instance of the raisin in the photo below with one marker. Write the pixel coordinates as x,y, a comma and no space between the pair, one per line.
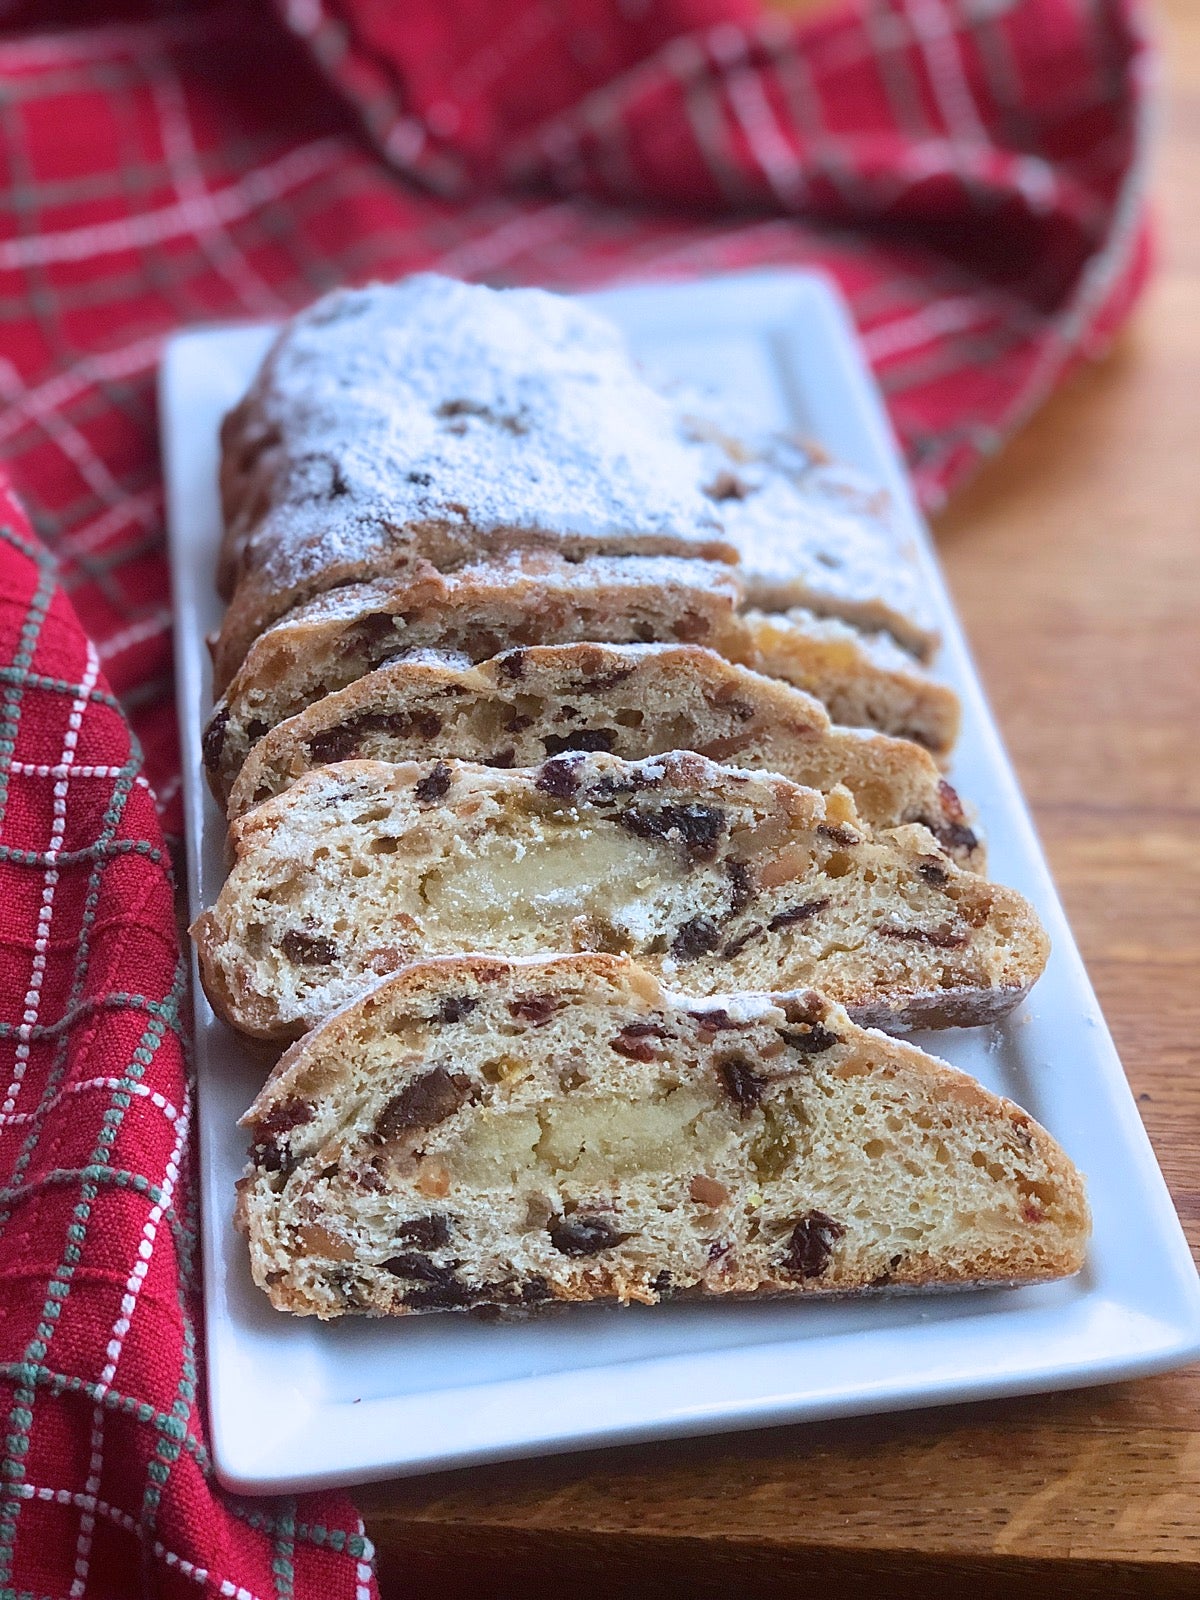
255,729
535,1290
333,744
810,1039
427,1233
584,1236
736,945
838,835
740,1081
697,937
434,785
457,1006
420,1269
559,778
728,486
502,758
281,1119
933,873
741,886
512,663
308,949
603,680
424,1103
582,739
956,836
663,1285
811,1245
698,827
943,938
214,739
797,913
716,1020
534,1008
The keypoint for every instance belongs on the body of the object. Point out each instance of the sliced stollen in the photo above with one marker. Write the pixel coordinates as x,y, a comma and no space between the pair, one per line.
535,598
865,680
630,700
428,422
811,533
528,597
503,1136
730,879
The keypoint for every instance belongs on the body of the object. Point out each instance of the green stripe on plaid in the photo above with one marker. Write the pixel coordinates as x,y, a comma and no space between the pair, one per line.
12,1468
12,697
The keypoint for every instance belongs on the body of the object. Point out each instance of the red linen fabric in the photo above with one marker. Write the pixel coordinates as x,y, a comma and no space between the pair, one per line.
970,171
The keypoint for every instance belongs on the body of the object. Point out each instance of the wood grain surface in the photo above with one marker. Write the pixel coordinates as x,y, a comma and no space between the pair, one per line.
1075,561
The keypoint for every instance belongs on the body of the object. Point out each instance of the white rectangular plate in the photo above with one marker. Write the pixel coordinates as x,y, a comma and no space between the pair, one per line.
295,1405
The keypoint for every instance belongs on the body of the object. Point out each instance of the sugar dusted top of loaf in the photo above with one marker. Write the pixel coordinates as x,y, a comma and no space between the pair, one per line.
435,400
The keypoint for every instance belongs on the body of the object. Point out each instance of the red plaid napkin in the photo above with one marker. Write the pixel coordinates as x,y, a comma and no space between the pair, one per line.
970,171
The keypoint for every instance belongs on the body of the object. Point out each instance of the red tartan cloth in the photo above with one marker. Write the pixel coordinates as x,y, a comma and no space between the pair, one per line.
970,171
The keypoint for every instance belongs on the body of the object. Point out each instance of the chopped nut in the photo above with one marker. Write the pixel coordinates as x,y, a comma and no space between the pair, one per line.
785,866
433,1180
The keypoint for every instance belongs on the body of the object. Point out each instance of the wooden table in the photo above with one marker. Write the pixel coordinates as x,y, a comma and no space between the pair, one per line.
1075,560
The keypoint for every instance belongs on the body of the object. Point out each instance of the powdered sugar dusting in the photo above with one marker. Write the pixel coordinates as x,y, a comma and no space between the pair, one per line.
437,402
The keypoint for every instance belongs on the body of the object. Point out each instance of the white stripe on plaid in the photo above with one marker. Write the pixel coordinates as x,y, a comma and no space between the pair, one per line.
137,633
113,1514
183,163
58,828
747,95
116,1343
91,535
256,188
82,1085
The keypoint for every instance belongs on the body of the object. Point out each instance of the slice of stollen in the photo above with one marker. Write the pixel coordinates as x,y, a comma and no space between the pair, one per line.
529,597
502,1136
420,425
727,878
630,700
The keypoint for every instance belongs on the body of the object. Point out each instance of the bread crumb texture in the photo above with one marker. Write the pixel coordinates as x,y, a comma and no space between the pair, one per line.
501,1136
